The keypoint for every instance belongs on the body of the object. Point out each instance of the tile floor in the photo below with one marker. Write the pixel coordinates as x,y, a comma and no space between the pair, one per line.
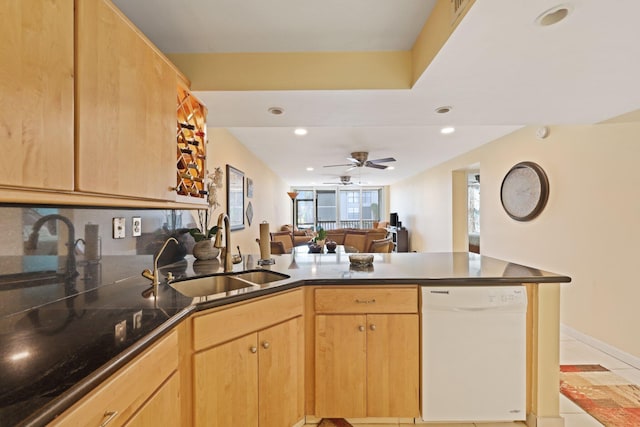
572,352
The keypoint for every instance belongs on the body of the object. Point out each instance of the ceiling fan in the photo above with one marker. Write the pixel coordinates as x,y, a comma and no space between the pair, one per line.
358,159
344,180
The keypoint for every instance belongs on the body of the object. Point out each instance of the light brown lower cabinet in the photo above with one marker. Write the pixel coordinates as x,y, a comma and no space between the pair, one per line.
251,381
143,393
366,360
244,365
160,409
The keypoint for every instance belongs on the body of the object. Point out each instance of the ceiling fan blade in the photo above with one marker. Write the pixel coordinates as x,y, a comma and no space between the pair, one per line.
351,168
386,159
335,166
375,165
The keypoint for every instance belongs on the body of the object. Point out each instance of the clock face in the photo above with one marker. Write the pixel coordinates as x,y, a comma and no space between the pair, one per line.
524,191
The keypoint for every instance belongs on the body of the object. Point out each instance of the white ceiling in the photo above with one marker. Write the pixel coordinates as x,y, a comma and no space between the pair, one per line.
499,71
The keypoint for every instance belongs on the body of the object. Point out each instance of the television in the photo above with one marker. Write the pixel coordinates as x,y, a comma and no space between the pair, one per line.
393,219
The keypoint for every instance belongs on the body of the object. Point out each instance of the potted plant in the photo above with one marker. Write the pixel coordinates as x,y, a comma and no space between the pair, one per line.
204,234
320,237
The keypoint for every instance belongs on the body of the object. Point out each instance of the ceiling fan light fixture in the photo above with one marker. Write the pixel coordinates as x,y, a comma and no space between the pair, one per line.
276,111
553,16
447,130
300,131
444,109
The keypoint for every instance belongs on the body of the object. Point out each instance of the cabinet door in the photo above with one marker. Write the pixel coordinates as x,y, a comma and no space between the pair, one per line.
36,83
226,384
281,374
341,361
122,395
125,108
162,409
393,367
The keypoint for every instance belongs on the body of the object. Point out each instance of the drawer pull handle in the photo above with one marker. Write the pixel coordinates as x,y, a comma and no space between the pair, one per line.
265,345
111,415
253,349
361,328
365,301
372,327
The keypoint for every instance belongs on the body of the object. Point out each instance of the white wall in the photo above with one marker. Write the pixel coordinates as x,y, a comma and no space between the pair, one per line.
270,200
590,229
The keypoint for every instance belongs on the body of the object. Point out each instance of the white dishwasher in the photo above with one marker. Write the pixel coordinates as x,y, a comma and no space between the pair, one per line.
474,353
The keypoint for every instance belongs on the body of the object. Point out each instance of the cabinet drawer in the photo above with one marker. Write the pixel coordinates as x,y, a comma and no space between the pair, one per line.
127,390
366,300
220,326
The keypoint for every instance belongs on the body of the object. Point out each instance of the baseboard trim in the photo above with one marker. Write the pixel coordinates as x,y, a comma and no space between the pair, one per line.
602,346
534,421
300,423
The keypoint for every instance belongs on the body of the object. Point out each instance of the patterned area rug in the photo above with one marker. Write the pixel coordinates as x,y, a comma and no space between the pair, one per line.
607,397
334,422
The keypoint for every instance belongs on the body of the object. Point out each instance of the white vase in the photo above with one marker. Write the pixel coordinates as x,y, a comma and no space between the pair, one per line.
204,250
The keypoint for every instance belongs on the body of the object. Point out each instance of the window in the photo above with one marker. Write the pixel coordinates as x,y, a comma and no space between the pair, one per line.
370,207
304,208
473,208
326,209
349,209
334,208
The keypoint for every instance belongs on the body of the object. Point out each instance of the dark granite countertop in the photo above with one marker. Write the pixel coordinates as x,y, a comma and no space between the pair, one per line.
58,340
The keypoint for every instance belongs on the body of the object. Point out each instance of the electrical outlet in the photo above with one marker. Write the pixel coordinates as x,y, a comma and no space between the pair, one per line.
137,320
119,228
136,226
120,332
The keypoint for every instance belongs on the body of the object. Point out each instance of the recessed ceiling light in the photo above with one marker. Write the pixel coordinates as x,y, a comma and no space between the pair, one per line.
444,109
554,15
309,168
300,131
447,130
390,168
276,111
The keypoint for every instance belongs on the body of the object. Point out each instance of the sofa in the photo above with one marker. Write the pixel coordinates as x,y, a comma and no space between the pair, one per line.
358,238
300,237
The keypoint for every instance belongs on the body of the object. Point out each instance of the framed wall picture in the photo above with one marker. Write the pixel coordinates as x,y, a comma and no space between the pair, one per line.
235,198
249,213
249,188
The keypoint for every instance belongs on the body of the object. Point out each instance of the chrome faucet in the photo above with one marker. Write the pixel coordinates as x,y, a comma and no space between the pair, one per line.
32,243
154,276
223,218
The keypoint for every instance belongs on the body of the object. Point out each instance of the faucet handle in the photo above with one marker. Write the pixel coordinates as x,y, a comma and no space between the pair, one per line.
148,274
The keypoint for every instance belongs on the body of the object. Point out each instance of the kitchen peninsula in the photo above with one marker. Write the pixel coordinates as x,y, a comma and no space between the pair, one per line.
75,348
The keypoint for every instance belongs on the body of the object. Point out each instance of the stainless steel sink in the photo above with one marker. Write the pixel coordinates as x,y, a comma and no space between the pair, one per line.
260,277
223,283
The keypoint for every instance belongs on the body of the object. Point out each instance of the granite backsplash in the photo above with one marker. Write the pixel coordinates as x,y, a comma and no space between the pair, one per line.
35,265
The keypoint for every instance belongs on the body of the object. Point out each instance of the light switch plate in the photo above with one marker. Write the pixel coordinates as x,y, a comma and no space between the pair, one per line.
119,228
136,226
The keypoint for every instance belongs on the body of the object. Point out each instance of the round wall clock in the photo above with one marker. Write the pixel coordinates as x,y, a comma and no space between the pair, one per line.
524,191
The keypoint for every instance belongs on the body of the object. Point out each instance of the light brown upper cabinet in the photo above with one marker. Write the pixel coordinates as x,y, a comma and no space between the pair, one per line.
36,83
125,108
